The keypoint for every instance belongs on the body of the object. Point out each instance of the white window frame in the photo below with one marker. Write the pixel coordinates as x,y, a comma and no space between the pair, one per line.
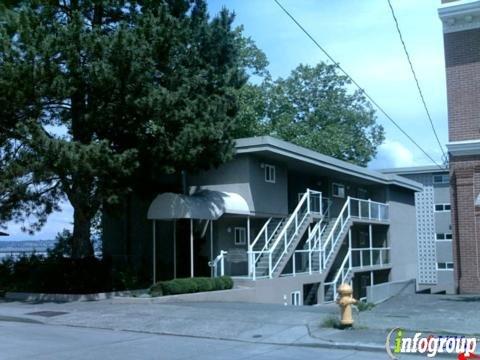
240,241
445,179
296,298
270,173
339,186
448,266
443,207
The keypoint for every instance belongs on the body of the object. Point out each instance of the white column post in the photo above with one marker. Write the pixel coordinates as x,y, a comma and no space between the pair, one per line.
154,254
222,263
293,263
369,208
309,253
249,253
270,264
370,241
248,230
350,248
371,278
191,249
211,244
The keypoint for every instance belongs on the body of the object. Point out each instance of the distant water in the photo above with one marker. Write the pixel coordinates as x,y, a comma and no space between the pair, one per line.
17,248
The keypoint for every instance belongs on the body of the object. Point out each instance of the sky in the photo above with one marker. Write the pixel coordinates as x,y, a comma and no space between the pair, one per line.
361,36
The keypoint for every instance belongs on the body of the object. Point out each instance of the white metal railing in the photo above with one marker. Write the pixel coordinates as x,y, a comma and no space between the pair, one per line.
275,249
342,276
328,246
368,209
276,246
262,241
366,257
353,208
214,264
310,202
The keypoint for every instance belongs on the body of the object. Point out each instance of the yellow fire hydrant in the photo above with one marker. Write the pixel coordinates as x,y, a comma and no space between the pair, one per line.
345,300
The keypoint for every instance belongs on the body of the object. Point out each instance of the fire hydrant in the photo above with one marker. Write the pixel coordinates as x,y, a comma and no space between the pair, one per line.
345,300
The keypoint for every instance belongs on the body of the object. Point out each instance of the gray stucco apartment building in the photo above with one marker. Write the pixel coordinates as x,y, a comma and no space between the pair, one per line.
434,227
287,222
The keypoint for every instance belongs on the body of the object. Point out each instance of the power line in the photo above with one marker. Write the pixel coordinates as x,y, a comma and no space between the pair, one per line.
356,84
417,82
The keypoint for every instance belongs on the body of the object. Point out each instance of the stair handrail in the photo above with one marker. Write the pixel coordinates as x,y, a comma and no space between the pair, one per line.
290,220
293,218
262,230
342,222
313,236
265,246
219,259
340,273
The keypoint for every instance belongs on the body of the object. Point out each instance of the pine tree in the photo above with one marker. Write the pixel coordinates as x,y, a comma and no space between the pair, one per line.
96,93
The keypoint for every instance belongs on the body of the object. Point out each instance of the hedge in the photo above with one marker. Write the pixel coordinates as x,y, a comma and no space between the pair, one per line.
58,274
191,285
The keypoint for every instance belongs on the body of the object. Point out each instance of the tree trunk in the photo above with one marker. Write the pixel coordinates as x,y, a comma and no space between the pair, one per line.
81,243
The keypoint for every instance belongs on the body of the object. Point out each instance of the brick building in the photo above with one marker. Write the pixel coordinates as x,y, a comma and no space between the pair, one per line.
461,28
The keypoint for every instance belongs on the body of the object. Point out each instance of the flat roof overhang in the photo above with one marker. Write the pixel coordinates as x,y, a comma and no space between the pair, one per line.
302,159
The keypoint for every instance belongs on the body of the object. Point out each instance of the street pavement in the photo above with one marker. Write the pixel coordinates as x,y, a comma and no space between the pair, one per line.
259,327
41,342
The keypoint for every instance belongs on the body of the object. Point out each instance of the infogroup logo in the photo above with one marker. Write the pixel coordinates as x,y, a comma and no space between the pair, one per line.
430,345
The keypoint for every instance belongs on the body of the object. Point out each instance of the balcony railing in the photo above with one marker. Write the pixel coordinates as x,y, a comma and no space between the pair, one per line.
367,257
368,210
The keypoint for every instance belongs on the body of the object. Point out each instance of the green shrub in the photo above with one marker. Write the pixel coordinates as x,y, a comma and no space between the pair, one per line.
204,284
190,285
227,282
55,274
331,322
364,306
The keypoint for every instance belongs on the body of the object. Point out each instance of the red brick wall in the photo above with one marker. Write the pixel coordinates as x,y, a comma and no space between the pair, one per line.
462,59
465,175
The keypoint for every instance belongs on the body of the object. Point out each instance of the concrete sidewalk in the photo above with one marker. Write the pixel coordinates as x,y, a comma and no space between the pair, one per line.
260,323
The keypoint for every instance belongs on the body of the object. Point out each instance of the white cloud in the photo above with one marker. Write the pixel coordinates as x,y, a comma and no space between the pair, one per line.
392,154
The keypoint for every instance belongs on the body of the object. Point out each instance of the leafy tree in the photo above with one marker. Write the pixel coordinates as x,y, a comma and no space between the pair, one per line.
313,107
97,93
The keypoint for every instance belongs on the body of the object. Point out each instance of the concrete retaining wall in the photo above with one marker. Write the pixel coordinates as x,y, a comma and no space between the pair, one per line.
381,292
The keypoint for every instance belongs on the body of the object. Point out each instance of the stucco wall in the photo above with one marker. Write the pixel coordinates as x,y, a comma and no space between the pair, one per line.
268,198
402,234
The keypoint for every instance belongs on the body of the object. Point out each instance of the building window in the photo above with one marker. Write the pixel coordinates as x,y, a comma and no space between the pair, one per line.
445,266
444,236
269,173
338,190
442,207
441,179
295,298
240,236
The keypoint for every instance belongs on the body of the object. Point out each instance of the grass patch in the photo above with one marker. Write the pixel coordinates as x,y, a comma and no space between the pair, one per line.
364,306
331,322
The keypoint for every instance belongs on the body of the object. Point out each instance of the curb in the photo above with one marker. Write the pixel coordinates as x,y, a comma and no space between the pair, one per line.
25,296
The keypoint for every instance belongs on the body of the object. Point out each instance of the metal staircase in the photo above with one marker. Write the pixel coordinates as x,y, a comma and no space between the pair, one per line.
343,275
278,249
280,242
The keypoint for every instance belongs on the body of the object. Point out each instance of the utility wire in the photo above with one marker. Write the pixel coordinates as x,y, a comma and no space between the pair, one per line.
417,82
356,84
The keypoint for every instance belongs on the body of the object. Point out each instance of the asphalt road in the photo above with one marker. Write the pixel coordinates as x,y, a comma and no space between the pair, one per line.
38,341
